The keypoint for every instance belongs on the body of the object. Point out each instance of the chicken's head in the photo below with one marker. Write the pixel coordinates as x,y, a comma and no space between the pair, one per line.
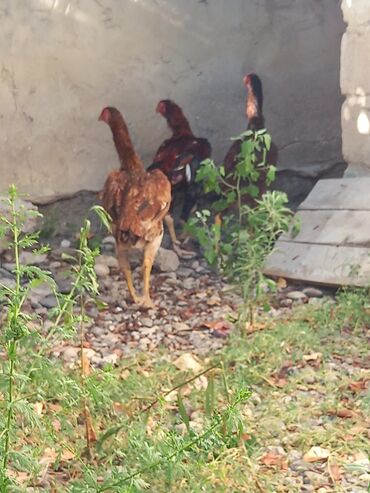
107,114
251,80
163,107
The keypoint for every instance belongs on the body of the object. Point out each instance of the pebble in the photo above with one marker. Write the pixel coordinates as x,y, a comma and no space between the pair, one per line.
101,270
107,260
109,240
65,244
166,260
49,301
30,258
312,292
110,359
70,353
307,488
294,455
64,284
9,283
296,296
184,272
314,478
55,264
286,303
298,465
8,266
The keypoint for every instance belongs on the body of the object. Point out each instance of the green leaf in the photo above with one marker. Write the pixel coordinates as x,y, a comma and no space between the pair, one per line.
210,396
271,175
182,411
103,216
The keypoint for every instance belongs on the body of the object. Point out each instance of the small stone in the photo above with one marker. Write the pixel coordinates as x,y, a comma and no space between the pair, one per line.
109,240
296,296
307,488
9,266
110,359
294,455
111,339
181,429
64,285
38,293
166,260
30,258
316,301
9,283
70,353
313,292
188,283
181,327
65,243
184,272
286,303
55,264
6,273
276,450
315,478
147,322
107,260
49,301
101,270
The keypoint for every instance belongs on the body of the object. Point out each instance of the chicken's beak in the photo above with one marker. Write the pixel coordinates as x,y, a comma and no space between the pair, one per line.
161,108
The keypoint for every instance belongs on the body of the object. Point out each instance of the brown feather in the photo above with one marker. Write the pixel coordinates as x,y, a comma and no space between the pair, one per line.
136,200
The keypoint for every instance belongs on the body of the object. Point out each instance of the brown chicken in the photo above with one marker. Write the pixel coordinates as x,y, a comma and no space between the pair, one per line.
137,202
256,121
179,157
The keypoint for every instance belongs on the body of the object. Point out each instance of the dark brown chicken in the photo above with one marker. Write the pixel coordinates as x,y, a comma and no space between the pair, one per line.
179,157
256,121
137,202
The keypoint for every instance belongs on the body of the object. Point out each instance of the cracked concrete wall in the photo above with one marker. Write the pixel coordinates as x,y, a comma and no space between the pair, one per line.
63,60
355,85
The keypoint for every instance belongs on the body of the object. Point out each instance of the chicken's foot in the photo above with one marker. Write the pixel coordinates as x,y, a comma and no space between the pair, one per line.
150,252
126,269
185,254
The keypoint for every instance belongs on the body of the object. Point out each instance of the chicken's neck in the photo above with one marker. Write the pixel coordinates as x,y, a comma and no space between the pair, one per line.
254,114
179,126
130,161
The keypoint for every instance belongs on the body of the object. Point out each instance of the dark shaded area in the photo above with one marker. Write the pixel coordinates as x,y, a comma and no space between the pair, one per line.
299,184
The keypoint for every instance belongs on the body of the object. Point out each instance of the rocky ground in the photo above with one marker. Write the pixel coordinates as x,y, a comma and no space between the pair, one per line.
193,313
193,305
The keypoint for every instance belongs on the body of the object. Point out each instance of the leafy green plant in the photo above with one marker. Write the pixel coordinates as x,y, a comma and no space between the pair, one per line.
243,224
18,328
16,324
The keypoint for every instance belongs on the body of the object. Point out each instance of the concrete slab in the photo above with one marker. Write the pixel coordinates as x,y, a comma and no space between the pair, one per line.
333,245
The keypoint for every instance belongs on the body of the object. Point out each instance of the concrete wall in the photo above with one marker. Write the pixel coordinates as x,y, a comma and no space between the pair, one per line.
355,85
62,61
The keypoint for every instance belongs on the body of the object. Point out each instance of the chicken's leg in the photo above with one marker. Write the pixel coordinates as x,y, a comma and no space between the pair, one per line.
125,267
150,252
175,242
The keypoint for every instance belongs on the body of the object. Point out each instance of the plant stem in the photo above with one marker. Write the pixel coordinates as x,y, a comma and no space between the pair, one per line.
10,408
12,344
176,387
168,458
239,201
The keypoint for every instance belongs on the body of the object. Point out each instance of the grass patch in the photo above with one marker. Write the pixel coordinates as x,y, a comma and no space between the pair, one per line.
293,405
